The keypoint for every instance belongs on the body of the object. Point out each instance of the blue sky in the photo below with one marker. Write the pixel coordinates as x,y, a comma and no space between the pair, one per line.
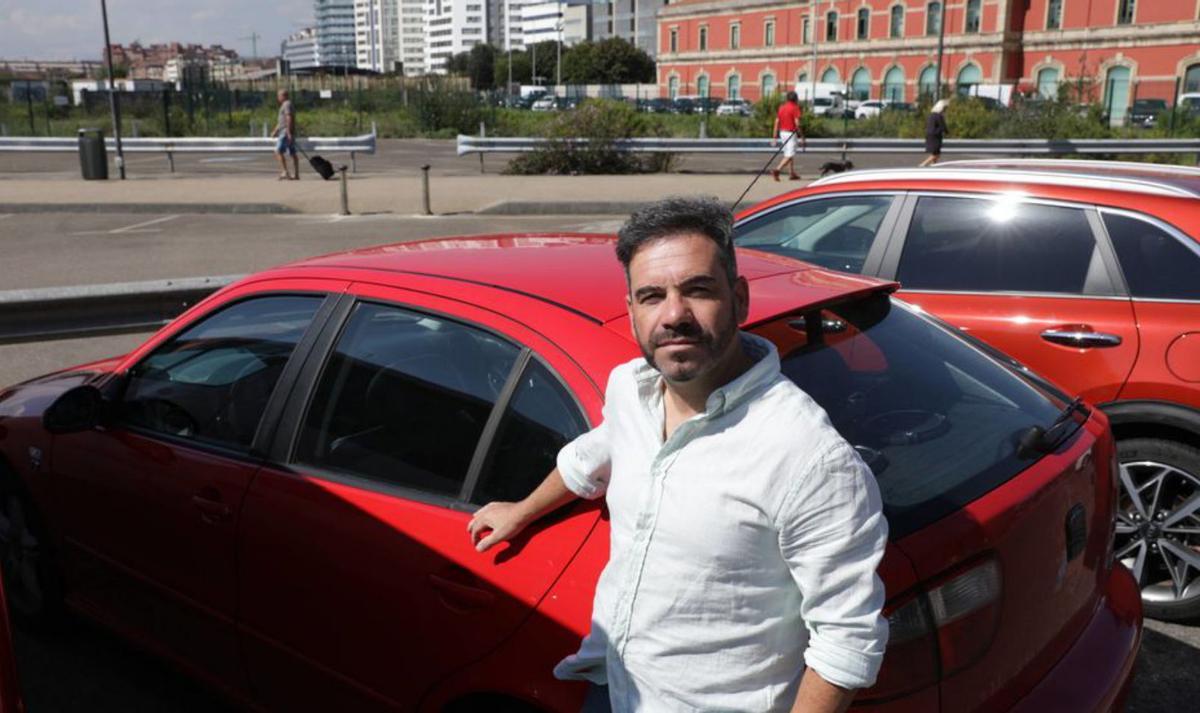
71,29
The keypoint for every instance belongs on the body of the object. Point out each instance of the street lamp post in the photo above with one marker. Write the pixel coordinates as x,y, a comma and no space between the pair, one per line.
558,57
814,28
113,104
941,48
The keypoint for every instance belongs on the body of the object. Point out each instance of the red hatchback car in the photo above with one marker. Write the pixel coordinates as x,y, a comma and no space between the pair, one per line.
1088,272
273,491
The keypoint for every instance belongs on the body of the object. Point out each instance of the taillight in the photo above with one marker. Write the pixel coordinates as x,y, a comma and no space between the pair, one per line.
942,629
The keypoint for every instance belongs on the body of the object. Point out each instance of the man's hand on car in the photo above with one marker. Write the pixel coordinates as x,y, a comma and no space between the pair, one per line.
501,521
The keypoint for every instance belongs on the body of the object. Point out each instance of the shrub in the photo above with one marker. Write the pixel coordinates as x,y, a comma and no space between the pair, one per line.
602,122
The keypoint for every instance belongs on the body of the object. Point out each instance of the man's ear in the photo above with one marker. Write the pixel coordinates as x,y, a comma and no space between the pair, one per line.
741,294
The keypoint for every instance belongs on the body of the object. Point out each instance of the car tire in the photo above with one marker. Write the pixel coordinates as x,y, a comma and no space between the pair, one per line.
32,583
1165,475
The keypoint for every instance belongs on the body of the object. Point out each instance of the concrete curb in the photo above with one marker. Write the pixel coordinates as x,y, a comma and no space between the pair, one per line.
155,208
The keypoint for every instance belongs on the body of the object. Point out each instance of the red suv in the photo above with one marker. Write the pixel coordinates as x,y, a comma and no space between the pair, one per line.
1088,272
274,490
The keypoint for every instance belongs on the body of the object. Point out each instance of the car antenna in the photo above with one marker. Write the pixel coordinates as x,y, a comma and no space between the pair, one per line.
757,176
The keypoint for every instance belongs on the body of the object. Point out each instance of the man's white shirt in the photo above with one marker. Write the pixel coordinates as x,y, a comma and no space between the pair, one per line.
743,548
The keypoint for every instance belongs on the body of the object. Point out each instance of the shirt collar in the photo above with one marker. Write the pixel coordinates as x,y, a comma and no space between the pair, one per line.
727,397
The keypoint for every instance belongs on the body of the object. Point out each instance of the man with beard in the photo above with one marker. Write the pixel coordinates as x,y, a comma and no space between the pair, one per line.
745,532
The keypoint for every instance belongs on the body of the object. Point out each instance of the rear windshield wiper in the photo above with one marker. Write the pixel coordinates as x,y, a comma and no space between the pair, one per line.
1040,440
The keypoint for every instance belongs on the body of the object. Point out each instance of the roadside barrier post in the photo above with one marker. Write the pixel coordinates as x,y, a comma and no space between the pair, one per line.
345,191
425,190
482,134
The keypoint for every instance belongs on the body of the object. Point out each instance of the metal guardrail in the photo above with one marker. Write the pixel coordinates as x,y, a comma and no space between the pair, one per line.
170,146
92,310
1005,147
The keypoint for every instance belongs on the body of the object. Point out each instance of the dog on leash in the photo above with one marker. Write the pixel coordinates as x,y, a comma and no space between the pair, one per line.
836,167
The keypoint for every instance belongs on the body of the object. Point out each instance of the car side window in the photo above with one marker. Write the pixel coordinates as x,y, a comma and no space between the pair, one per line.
836,233
404,398
999,245
211,382
1157,264
541,419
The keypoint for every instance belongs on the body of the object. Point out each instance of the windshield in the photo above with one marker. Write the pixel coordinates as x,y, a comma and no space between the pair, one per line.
937,420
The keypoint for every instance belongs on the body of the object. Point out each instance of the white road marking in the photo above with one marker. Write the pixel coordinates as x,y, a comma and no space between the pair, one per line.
135,228
5,215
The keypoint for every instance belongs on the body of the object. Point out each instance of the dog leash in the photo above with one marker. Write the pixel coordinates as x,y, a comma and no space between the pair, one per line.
758,176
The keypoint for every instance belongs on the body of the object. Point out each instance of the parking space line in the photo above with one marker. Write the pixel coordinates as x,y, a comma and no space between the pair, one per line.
135,228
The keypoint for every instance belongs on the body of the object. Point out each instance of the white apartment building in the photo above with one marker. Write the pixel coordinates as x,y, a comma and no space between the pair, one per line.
412,37
550,21
300,51
453,26
377,35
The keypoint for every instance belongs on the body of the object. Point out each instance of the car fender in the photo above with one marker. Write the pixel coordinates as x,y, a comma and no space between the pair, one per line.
1153,413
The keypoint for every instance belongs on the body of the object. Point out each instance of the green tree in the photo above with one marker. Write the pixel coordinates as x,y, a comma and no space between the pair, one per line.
521,72
476,64
610,61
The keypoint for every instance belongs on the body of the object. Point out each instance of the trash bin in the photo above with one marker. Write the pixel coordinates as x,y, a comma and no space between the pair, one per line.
93,158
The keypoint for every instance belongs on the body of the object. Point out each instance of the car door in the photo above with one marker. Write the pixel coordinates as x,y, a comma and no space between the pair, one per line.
1161,267
1026,276
148,504
360,587
845,232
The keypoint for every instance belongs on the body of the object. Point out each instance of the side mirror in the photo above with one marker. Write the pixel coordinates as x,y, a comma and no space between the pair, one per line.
75,410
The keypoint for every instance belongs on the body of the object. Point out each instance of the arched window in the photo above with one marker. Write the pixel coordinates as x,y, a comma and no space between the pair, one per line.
893,85
933,18
1191,80
1116,94
896,28
802,78
768,85
831,76
1047,83
831,19
703,38
860,85
702,85
864,23
973,15
673,87
733,87
927,83
968,77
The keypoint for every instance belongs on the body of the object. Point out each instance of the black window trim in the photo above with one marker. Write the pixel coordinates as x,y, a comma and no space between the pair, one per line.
282,451
1115,283
258,450
883,237
1175,233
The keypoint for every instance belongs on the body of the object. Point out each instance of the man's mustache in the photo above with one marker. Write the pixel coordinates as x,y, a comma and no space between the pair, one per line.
684,332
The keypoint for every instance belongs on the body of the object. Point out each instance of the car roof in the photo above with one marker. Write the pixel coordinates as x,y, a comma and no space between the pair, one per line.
579,272
1148,178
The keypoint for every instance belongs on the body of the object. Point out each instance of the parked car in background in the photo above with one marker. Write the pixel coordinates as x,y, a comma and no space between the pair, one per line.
708,105
546,102
683,105
1145,112
735,107
870,108
1085,271
659,105
275,487
1189,103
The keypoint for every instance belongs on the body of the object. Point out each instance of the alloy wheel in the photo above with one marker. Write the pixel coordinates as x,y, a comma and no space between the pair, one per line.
1158,529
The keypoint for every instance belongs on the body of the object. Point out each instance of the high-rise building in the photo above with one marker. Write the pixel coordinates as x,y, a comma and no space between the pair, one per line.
566,22
300,51
377,35
453,26
335,33
412,37
632,20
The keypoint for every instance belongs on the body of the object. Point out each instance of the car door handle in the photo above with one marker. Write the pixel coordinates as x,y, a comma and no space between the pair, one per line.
212,510
1081,338
459,596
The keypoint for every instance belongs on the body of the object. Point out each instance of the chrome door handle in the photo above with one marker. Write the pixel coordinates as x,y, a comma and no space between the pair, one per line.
1081,339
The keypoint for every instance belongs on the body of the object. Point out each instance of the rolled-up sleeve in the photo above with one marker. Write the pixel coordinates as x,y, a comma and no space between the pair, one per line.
832,534
585,463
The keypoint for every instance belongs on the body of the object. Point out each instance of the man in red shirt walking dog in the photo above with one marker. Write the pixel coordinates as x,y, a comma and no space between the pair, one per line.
786,128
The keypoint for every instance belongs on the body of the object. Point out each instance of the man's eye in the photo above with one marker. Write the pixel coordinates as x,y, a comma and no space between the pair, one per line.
651,299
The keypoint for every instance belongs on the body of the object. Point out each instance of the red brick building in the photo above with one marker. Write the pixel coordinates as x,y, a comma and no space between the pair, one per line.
1111,50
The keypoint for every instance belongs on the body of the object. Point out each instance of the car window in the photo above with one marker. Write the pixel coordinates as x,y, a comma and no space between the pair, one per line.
937,420
1156,263
211,382
404,398
999,245
832,232
541,419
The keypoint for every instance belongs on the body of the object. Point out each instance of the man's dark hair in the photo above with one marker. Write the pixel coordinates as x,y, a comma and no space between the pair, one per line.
674,216
793,97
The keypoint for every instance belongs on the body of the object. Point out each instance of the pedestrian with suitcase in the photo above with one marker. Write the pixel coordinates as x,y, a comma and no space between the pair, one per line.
285,141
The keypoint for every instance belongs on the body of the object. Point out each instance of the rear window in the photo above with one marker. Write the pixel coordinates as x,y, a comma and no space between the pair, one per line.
936,419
